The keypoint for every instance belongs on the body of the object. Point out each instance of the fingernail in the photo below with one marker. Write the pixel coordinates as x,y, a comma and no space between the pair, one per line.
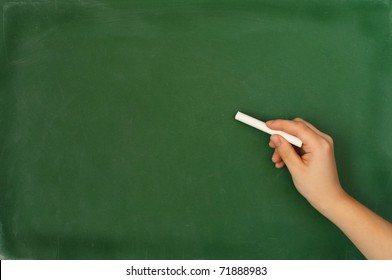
275,139
268,123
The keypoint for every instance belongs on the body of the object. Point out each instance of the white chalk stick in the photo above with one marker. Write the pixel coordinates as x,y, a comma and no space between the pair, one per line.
263,127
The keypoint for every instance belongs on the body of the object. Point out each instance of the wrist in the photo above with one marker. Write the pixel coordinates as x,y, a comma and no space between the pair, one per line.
330,202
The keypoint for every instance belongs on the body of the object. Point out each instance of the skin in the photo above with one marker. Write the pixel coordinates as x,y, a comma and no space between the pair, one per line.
314,173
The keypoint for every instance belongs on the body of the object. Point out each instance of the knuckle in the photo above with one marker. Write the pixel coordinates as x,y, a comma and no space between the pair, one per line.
330,139
297,119
326,145
302,127
284,154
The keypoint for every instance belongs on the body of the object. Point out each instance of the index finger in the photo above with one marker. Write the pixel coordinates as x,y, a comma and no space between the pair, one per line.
298,129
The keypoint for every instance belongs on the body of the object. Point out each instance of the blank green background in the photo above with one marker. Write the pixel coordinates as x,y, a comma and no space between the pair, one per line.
117,130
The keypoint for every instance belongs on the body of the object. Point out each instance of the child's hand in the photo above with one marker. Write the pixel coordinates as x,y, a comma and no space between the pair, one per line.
312,167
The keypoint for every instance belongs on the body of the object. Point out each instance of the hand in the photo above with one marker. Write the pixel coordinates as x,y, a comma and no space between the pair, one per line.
315,176
312,167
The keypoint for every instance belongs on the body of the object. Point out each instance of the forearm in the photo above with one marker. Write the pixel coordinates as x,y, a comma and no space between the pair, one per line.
369,232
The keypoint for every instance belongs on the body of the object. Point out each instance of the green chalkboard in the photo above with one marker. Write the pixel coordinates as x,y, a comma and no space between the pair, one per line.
117,130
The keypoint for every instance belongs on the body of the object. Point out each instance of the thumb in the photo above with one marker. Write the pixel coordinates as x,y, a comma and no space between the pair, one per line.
286,152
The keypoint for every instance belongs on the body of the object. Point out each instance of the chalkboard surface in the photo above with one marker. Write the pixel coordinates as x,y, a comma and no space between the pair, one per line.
117,130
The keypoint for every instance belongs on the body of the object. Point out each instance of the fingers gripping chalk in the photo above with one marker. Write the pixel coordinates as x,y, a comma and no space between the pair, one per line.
263,127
